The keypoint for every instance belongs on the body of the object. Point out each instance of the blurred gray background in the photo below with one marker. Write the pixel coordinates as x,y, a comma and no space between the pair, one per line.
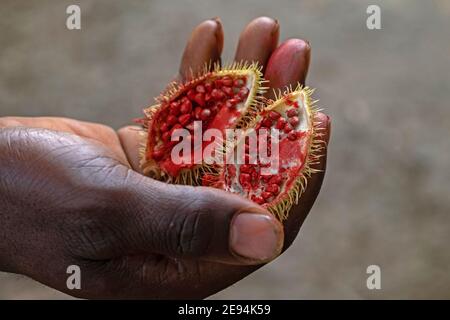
386,195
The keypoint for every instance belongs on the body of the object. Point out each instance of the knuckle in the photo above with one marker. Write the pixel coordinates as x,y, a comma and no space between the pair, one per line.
191,228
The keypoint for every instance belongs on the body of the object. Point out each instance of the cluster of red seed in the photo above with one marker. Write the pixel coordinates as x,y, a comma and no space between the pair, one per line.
286,125
249,175
201,102
250,179
271,189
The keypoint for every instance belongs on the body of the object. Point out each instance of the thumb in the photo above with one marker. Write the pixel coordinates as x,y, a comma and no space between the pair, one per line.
197,222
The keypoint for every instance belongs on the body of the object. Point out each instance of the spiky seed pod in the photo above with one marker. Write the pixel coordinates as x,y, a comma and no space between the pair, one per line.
224,98
231,98
278,187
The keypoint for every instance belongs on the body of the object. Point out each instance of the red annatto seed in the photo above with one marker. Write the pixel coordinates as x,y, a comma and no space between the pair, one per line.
255,176
172,120
205,114
300,134
164,113
267,122
234,101
200,99
228,91
292,135
229,104
186,107
237,98
197,112
164,127
291,113
246,168
227,81
258,199
244,178
166,136
184,119
207,97
267,195
274,115
273,188
231,171
217,94
218,83
280,124
289,102
294,121
174,108
208,86
175,127
200,88
238,83
174,111
247,185
191,94
277,179
243,92
157,154
214,110
287,128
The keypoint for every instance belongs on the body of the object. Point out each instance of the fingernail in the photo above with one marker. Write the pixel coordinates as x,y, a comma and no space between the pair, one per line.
256,236
276,28
217,21
218,34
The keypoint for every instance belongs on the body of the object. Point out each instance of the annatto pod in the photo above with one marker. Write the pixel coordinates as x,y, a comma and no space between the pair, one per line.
274,181
223,98
231,98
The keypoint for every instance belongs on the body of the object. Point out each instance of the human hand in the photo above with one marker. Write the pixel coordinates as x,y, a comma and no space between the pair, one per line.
283,66
68,196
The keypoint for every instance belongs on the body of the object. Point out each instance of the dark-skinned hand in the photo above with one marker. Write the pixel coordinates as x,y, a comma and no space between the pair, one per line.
71,194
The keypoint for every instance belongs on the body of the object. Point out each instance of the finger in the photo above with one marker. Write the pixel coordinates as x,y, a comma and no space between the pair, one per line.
258,40
193,222
300,211
131,138
204,46
288,65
